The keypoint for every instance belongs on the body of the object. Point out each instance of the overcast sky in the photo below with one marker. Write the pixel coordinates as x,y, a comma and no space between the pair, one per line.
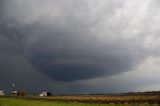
80,46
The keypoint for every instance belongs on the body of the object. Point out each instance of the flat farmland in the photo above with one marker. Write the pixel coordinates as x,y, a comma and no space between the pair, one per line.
26,102
151,98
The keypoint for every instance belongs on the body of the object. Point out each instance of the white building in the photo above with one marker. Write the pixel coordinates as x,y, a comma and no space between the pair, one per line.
45,94
14,93
2,93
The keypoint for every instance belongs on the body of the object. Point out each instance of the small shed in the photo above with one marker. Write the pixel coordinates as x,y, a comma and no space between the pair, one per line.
41,95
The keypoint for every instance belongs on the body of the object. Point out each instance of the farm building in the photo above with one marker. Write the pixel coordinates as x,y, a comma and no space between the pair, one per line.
45,94
2,93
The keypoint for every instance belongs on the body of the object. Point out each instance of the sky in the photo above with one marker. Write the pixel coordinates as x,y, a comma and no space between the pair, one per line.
80,46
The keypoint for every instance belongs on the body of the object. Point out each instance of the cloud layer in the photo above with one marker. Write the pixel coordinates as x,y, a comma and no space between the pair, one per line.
70,41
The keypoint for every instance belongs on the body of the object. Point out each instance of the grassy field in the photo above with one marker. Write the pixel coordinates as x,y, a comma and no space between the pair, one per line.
122,98
25,102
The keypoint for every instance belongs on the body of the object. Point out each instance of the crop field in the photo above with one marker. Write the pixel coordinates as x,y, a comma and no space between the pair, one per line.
127,99
26,102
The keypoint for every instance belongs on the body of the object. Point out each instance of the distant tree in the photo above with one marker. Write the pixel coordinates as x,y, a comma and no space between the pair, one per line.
21,93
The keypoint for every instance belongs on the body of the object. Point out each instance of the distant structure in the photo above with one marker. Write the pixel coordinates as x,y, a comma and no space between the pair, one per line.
45,94
41,95
14,91
13,85
2,93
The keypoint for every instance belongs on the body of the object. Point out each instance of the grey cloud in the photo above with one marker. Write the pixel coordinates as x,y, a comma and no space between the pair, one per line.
76,40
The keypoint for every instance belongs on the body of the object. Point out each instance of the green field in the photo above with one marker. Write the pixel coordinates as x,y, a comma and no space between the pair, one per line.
25,102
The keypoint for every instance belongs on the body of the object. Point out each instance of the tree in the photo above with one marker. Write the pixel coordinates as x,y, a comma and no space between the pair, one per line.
21,93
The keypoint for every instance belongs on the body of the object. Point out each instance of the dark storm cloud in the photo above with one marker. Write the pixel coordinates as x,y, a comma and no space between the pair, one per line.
69,41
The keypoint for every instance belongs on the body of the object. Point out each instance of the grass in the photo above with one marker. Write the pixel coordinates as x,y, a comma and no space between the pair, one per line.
25,102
